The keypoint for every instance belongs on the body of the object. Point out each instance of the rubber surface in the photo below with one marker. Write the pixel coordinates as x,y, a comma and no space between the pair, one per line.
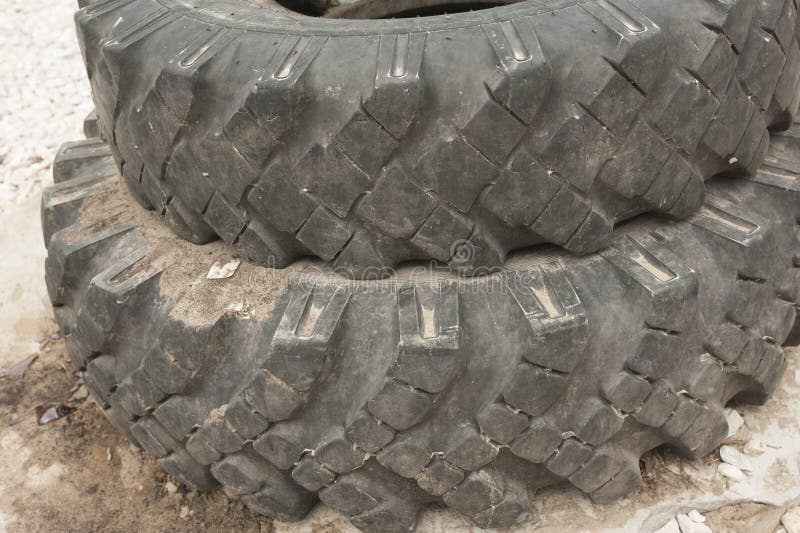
457,138
380,397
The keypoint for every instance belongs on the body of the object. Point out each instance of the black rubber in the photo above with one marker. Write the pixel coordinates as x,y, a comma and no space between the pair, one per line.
458,138
381,397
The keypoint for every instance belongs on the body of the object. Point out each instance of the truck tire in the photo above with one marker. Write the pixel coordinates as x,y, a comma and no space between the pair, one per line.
456,138
380,397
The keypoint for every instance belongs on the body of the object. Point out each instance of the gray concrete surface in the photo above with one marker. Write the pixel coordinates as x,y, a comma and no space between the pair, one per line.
76,473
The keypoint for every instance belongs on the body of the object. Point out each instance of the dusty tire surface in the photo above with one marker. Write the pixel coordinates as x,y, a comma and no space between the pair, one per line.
458,138
289,386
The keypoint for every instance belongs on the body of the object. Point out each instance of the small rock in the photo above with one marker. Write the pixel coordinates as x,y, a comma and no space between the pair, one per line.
221,270
734,457
731,472
170,487
688,525
755,447
108,455
184,512
79,395
669,527
696,516
791,520
735,421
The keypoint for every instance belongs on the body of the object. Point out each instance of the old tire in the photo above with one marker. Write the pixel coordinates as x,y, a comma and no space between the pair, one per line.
457,138
379,397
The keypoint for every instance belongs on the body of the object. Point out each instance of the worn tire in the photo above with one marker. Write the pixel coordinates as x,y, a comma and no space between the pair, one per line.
456,138
380,397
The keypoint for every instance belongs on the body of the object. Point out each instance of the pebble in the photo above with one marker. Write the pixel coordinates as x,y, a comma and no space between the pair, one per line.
735,421
755,447
688,525
791,520
734,457
171,487
184,512
731,472
696,516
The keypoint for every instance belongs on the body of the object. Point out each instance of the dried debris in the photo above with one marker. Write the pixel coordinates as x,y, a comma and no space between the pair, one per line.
49,413
18,369
220,270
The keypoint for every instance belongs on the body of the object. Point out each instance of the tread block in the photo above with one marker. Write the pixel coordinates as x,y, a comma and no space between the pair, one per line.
760,65
188,471
311,475
278,449
350,495
500,423
367,143
634,166
655,353
578,150
455,172
404,457
468,450
623,483
538,443
533,389
562,217
601,467
397,205
521,192
277,199
688,110
247,422
324,234
343,182
369,433
78,158
681,418
61,202
340,455
226,221
569,456
395,97
726,342
280,497
556,317
596,422
154,438
272,398
707,432
242,473
658,406
441,232
667,281
275,93
305,336
494,132
638,40
429,336
439,477
524,68
479,491
626,391
399,405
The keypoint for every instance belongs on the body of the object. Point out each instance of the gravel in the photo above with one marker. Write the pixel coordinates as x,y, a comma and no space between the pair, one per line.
44,95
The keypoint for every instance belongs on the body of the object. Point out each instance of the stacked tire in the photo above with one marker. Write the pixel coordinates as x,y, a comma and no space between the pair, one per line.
428,293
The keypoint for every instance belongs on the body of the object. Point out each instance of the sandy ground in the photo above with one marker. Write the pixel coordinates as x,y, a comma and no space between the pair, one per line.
77,474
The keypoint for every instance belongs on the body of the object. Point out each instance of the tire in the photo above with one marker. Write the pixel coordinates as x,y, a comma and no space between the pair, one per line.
457,138
381,397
